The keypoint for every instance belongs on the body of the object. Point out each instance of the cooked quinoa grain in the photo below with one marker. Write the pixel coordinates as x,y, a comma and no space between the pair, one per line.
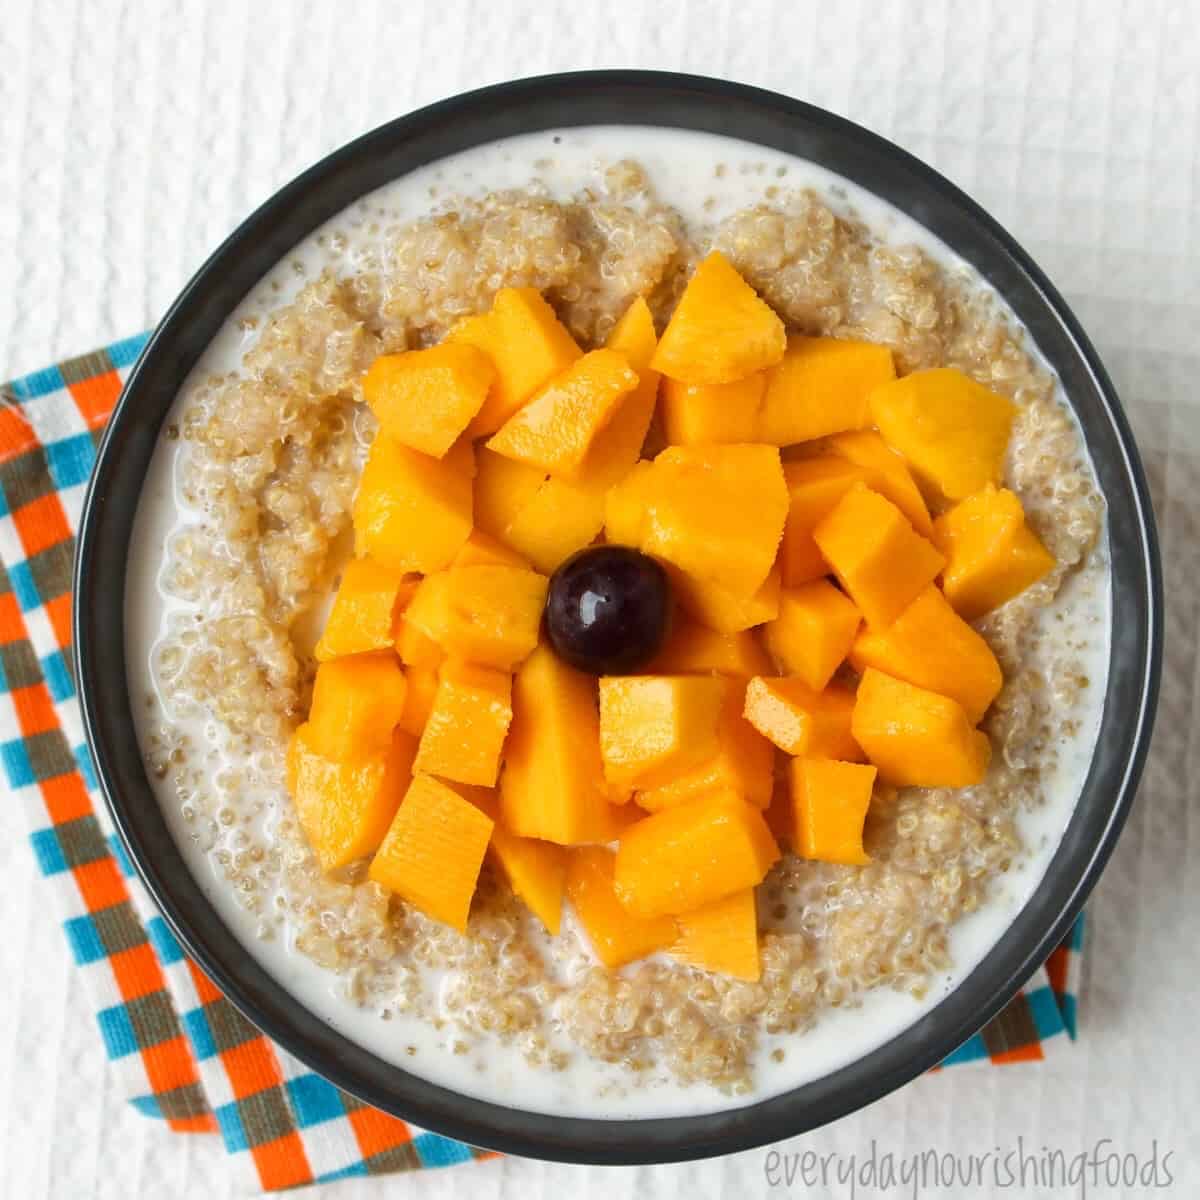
271,457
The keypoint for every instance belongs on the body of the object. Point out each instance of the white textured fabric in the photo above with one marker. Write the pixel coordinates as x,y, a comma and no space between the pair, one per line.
133,136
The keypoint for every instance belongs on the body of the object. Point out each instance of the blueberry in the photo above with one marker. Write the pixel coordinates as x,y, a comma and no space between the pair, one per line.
608,609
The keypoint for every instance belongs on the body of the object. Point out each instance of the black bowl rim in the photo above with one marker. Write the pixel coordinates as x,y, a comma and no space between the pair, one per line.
615,98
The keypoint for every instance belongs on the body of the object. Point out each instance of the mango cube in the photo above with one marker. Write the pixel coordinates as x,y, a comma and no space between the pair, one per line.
427,398
991,554
721,937
820,387
813,632
742,765
916,737
619,445
466,728
417,649
815,485
875,553
484,614
412,512
553,784
722,611
712,412
418,699
615,935
693,649
356,704
345,807
560,519
715,512
801,721
930,645
683,858
363,616
625,511
952,431
536,871
830,801
655,727
888,474
528,345
720,330
503,487
483,550
555,430
433,851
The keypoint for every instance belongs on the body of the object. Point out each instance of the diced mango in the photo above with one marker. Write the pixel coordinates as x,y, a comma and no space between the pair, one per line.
560,519
952,431
528,344
655,727
553,783
722,937
930,645
363,616
634,336
563,517
555,430
991,553
715,512
693,649
417,649
488,615
875,553
831,800
712,412
625,512
616,936
503,488
813,632
345,807
427,398
535,870
815,485
915,737
356,704
891,477
821,387
742,765
483,550
800,720
418,698
618,446
720,330
412,512
720,610
466,728
433,851
684,858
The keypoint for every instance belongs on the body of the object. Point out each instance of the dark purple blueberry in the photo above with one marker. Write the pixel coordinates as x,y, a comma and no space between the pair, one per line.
608,610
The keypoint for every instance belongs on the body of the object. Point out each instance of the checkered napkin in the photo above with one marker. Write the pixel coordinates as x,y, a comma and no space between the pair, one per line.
186,1056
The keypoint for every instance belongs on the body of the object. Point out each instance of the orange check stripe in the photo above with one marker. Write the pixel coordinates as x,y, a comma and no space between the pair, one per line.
282,1163
42,523
377,1131
35,710
96,397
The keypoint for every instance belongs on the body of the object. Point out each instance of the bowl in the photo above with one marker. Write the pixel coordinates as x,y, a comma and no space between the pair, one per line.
615,98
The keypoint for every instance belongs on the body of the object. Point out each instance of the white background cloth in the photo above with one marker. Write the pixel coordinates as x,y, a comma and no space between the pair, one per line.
133,136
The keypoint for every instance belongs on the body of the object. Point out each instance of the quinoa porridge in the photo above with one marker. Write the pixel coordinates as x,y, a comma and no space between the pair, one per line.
245,525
